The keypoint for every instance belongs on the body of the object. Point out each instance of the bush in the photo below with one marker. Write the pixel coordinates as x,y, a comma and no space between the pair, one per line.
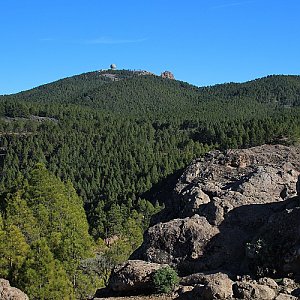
165,280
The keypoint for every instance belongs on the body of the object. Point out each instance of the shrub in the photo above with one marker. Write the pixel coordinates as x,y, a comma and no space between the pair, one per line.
165,279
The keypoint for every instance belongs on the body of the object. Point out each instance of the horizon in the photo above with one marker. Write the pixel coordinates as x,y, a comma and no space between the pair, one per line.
202,43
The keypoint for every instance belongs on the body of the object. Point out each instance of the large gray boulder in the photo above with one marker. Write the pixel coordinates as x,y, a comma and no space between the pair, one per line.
258,175
8,292
252,291
177,240
213,286
133,276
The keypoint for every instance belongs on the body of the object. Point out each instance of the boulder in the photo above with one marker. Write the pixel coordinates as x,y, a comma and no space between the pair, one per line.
193,200
167,74
252,291
288,286
176,240
133,275
258,175
215,286
185,293
268,282
8,292
285,297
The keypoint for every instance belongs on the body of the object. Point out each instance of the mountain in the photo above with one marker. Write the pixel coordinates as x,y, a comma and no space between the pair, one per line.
97,88
120,138
128,130
282,89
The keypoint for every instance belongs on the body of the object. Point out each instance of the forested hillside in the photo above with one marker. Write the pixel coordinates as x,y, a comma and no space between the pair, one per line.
113,135
282,90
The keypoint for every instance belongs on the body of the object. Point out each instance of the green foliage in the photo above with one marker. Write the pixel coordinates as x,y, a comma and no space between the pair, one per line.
112,142
13,251
44,237
115,140
165,279
44,277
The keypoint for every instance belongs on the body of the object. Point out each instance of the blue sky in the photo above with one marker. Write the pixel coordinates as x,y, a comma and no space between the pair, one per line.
201,42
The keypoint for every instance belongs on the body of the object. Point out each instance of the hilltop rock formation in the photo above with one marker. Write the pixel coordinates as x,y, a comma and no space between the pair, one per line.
8,292
233,214
167,74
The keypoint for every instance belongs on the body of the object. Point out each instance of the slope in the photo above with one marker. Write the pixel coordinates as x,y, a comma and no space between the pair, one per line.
117,134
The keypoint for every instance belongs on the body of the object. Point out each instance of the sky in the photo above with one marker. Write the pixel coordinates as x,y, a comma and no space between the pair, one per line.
201,42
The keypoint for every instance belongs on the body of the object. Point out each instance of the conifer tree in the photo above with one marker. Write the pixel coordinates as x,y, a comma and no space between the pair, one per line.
43,277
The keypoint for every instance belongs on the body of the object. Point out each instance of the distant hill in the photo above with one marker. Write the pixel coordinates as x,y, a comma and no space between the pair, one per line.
134,93
284,89
281,89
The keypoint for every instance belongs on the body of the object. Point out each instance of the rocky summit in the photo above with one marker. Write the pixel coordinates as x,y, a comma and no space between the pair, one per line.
231,229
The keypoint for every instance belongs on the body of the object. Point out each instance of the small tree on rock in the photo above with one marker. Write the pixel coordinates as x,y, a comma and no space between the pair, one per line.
165,279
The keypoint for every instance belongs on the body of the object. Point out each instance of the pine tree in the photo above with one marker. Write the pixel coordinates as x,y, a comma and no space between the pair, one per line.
13,251
43,277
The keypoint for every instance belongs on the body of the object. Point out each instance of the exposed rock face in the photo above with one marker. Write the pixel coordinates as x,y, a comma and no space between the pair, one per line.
8,292
233,195
257,175
167,74
133,275
178,239
232,214
282,234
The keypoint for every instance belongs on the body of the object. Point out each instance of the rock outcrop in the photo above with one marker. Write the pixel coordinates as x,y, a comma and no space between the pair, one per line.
134,275
210,286
167,74
234,195
8,292
177,240
232,214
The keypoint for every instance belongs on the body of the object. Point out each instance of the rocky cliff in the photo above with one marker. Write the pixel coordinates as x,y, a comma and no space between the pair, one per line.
232,224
